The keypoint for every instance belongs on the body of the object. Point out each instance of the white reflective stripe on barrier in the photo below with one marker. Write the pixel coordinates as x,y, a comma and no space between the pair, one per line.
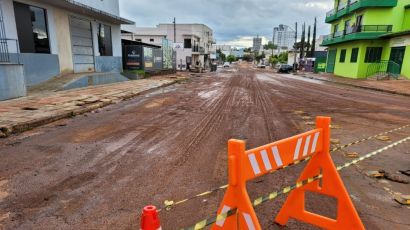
307,144
276,155
225,210
297,149
315,139
266,160
254,164
249,221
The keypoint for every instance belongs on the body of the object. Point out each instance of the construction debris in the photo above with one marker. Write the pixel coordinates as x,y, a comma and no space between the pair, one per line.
402,199
375,174
383,138
352,155
335,126
299,112
388,176
335,141
395,177
405,172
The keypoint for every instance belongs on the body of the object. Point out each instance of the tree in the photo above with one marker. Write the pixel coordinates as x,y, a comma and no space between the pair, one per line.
274,60
259,57
247,50
283,57
248,57
222,56
302,43
231,58
270,46
313,47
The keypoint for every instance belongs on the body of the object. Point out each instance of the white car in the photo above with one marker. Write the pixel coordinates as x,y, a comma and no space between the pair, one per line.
262,66
226,65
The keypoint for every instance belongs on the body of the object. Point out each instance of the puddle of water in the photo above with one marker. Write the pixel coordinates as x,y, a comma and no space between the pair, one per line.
93,80
207,94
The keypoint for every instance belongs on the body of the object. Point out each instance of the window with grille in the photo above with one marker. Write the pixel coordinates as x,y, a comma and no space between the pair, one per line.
355,54
342,56
373,54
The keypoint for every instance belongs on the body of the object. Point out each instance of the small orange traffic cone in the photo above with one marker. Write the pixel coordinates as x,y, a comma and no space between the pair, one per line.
150,219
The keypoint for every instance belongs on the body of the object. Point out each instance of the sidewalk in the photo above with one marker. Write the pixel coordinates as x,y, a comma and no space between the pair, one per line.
19,115
400,87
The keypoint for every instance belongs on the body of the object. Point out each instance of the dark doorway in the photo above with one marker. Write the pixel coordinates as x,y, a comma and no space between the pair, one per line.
397,55
331,61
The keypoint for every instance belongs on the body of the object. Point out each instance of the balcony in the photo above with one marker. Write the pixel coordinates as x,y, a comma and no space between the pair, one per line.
195,49
353,5
357,33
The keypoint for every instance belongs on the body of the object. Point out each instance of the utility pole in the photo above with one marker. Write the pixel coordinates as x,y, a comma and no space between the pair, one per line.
175,31
302,45
308,44
294,47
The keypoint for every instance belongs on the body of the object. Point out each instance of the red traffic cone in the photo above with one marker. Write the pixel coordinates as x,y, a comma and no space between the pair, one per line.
150,219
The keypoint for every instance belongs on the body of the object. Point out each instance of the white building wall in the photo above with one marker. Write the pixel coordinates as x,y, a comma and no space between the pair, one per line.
10,23
110,6
183,31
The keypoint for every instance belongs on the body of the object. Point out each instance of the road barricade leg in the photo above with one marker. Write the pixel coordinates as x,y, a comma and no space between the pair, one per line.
236,196
332,185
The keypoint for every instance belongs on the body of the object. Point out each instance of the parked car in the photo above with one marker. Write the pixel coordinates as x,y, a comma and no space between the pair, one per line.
262,66
285,69
227,65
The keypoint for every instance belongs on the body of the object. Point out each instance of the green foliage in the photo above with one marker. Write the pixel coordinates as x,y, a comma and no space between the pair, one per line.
248,57
231,58
274,60
270,46
222,56
283,57
247,50
259,57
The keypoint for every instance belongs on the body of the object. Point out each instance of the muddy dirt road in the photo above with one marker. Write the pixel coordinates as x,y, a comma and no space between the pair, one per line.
97,171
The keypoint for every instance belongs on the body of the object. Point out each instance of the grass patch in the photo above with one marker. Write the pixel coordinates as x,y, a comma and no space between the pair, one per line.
139,72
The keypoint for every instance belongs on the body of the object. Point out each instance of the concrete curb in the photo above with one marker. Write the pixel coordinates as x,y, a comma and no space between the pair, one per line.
21,127
357,86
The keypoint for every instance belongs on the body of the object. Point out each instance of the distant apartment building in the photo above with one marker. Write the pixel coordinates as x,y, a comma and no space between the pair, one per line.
225,49
193,43
45,39
284,37
257,44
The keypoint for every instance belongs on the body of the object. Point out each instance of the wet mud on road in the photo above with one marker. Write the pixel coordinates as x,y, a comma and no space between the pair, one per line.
97,171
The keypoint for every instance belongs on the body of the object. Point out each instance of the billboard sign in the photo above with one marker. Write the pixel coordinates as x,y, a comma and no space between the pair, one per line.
133,57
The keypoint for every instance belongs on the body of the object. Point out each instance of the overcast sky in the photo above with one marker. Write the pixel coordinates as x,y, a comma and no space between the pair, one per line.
234,22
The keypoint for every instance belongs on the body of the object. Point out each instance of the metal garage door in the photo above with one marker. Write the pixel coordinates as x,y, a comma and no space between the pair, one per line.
82,45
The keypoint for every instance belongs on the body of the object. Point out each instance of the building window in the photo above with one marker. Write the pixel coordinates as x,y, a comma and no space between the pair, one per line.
342,56
187,43
151,40
355,54
373,54
32,30
104,40
138,40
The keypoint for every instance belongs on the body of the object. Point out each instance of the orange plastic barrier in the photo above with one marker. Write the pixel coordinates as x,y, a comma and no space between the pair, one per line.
247,165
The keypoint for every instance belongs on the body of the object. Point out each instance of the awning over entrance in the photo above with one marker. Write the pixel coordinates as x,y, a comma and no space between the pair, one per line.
75,6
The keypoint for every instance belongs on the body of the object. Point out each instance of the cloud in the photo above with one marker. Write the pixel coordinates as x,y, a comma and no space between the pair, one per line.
233,21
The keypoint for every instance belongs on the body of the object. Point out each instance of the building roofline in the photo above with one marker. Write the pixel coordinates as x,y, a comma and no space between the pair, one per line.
186,24
88,10
396,34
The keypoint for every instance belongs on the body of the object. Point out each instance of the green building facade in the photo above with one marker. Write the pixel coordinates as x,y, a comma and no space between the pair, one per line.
369,37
